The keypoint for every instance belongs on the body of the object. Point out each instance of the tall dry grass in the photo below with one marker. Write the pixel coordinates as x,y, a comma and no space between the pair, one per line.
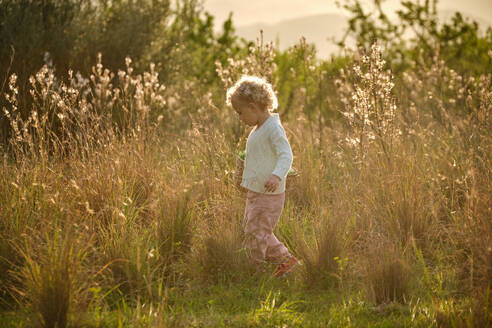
100,197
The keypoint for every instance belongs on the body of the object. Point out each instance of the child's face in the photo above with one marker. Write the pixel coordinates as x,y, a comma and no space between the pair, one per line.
248,113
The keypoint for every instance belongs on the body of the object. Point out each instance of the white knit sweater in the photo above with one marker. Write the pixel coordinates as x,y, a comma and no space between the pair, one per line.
267,151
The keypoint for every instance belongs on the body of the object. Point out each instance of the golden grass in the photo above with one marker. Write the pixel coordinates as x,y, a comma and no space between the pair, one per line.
132,208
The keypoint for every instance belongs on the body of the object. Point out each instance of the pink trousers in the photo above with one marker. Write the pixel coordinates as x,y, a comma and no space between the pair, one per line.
260,218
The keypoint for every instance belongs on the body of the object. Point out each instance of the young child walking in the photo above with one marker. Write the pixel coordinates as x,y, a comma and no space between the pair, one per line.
267,162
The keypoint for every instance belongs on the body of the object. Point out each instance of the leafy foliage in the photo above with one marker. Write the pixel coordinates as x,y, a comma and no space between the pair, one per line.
462,44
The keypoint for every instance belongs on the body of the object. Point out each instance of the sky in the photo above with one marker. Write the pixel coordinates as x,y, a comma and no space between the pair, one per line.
246,12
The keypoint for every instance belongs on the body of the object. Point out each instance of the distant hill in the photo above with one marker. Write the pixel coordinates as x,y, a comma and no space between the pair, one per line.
318,29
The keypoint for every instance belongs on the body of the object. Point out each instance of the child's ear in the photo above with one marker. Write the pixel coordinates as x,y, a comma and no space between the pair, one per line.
255,106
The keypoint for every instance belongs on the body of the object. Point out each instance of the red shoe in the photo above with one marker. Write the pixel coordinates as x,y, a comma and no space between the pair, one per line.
286,267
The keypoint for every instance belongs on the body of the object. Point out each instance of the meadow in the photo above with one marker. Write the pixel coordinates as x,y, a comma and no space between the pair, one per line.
118,206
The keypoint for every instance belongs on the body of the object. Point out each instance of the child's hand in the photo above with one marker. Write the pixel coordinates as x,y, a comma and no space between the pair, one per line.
272,183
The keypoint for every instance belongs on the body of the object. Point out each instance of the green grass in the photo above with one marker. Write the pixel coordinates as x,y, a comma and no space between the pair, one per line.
261,302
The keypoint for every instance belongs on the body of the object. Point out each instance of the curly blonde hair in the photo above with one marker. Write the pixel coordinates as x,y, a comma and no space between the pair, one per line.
253,89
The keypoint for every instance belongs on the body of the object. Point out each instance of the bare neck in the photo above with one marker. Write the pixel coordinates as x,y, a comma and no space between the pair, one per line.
262,119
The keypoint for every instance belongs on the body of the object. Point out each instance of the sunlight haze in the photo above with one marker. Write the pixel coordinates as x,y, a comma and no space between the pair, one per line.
319,21
274,11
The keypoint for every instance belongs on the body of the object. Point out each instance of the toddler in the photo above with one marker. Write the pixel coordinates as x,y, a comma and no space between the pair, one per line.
267,162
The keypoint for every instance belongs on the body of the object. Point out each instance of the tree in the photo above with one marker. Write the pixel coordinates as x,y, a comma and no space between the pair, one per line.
460,43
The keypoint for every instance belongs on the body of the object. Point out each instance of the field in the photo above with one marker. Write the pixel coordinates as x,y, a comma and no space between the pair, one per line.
118,207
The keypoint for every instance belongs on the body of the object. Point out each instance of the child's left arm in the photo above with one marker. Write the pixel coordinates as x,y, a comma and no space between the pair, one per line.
283,151
272,183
